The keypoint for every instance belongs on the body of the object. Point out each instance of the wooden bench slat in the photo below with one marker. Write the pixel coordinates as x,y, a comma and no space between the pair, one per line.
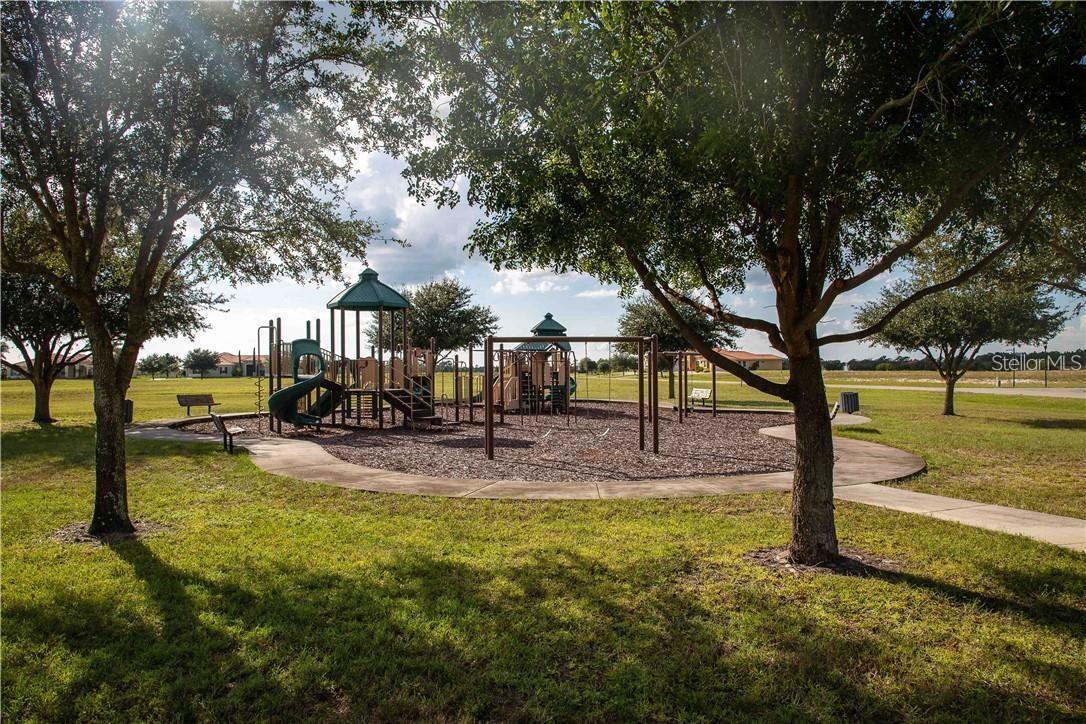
191,401
228,432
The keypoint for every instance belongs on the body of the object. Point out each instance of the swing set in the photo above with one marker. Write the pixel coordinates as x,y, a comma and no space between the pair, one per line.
535,378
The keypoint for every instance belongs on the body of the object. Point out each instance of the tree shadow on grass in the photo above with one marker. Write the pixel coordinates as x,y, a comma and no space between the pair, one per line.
73,446
62,444
557,635
1049,423
862,430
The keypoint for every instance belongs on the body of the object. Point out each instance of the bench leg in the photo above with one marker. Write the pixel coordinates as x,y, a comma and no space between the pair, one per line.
188,411
224,446
231,450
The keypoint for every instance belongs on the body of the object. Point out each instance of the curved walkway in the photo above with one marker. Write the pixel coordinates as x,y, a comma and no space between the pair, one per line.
858,468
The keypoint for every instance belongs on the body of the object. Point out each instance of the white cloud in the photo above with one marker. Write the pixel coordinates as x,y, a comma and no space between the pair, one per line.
435,236
515,281
597,293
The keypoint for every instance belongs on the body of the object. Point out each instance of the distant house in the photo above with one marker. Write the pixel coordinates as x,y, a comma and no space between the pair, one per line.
227,362
750,360
79,371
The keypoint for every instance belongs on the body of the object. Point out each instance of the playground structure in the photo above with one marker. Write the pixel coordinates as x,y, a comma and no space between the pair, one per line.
347,389
534,378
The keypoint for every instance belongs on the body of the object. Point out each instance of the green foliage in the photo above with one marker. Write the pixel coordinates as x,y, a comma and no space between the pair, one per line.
681,146
950,327
35,314
201,360
642,316
168,145
442,309
587,364
160,364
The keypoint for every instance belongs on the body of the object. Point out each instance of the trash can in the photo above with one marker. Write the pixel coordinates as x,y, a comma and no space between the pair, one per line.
849,402
128,412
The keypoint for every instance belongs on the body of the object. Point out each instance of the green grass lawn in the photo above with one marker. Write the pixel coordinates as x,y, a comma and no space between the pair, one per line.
1019,451
273,598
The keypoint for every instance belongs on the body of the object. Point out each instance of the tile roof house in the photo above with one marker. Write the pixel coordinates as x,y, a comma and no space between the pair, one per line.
750,360
227,362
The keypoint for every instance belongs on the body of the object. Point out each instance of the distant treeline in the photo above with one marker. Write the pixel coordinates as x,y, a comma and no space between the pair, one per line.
983,362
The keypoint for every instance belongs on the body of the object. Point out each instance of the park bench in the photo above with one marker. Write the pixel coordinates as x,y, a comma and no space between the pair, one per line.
191,401
228,432
699,393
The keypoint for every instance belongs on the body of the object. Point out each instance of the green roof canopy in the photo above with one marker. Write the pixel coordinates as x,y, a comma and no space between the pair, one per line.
549,327
368,295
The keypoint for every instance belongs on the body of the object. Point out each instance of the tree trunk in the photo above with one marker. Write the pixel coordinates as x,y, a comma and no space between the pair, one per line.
43,388
111,482
814,536
670,381
948,395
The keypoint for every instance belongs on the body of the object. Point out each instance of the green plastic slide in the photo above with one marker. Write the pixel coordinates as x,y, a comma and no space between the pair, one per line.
284,403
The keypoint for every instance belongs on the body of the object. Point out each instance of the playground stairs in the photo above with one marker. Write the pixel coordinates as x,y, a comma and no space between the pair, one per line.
415,409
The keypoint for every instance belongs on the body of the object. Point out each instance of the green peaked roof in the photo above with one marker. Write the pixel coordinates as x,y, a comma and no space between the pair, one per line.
368,295
549,327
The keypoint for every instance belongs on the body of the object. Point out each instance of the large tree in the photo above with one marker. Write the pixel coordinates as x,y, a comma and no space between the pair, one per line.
681,146
168,144
46,330
642,316
46,327
949,328
443,310
201,360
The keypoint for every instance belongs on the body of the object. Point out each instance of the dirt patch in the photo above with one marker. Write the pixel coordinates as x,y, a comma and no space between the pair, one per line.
851,562
76,533
596,442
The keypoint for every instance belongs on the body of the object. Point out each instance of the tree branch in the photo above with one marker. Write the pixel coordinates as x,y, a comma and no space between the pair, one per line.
967,274
953,199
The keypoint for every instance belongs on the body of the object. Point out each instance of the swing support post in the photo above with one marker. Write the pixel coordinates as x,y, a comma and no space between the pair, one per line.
641,343
488,398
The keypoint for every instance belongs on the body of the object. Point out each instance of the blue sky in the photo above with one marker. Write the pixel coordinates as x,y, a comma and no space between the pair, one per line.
520,299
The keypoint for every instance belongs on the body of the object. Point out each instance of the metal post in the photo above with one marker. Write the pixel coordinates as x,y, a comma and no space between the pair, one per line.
655,396
566,370
392,358
431,371
332,350
471,386
679,399
488,395
456,387
343,364
714,387
501,383
380,369
279,363
641,396
406,345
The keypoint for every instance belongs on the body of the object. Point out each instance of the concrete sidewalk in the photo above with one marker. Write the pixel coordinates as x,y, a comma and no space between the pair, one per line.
859,468
1055,529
